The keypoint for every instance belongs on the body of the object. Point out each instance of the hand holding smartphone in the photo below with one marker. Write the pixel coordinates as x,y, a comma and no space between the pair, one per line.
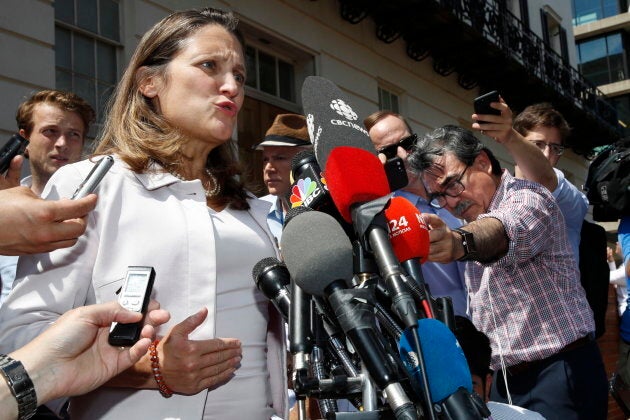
482,104
134,296
15,146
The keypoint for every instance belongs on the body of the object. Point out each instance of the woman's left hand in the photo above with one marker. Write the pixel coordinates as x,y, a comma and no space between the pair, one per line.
190,366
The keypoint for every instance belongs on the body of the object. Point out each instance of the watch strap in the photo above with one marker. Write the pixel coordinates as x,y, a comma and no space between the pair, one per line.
468,243
20,385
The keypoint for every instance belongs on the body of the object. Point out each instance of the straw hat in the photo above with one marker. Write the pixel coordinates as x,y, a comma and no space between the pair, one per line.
286,130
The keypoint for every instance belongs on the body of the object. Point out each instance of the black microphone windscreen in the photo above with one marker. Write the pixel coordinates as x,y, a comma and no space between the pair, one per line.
301,159
262,265
331,120
316,251
293,212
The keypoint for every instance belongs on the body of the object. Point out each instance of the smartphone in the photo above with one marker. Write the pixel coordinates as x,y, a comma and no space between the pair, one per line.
134,295
15,146
95,176
396,173
482,104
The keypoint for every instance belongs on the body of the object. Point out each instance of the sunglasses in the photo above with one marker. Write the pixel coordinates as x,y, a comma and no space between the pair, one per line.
392,150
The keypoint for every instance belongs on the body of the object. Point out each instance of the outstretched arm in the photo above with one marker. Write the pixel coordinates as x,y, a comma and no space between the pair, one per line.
73,356
30,225
530,162
446,245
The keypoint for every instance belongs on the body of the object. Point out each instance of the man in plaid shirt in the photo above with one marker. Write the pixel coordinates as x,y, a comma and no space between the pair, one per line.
522,277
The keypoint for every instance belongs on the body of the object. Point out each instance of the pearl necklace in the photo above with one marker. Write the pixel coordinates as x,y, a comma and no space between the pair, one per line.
210,192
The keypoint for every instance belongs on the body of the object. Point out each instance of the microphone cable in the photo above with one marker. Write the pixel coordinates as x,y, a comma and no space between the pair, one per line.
502,361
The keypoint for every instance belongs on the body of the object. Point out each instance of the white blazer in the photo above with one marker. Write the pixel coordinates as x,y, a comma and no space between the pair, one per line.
151,219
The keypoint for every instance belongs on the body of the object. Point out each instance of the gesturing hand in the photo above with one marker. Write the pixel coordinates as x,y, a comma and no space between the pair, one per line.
190,366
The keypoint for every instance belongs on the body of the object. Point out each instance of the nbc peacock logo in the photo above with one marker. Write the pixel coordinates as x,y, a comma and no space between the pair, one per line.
304,192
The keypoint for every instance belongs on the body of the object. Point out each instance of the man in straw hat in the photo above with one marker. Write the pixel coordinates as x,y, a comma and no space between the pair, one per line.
285,138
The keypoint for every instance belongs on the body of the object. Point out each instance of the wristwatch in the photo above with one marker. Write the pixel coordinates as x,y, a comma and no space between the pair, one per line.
20,385
468,243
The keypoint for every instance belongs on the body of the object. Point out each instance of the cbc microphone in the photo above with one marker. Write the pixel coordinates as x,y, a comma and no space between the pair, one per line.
272,278
319,256
331,119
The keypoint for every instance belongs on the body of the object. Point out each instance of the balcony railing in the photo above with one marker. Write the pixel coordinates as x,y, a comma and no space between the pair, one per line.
489,46
519,43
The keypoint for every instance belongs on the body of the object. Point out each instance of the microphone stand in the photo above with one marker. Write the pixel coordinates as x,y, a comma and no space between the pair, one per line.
366,272
326,405
371,228
300,343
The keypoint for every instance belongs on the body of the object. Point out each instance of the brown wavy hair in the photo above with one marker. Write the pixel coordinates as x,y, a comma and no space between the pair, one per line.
66,101
541,115
138,133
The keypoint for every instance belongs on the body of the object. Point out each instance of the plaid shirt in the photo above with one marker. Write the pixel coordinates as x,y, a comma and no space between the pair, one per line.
530,302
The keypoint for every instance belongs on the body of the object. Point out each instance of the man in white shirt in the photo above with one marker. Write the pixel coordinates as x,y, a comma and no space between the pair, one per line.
56,124
286,137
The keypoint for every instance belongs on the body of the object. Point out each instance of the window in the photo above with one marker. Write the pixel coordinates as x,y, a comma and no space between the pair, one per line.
602,60
554,35
87,36
519,8
591,10
387,100
270,74
622,105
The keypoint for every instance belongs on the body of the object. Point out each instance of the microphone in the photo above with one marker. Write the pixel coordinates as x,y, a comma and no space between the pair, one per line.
293,212
272,278
358,185
449,377
309,188
330,118
409,237
313,243
354,176
407,231
322,266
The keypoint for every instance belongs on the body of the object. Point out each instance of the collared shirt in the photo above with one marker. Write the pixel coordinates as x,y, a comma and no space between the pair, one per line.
623,235
530,302
442,279
8,263
275,217
574,206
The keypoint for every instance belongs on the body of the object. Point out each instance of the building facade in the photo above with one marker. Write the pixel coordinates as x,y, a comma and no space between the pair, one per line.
427,60
601,36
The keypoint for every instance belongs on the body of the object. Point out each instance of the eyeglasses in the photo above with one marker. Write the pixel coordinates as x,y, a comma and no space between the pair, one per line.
453,189
556,149
392,150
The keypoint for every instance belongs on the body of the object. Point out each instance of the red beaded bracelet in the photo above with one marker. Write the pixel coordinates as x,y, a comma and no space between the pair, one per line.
157,374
